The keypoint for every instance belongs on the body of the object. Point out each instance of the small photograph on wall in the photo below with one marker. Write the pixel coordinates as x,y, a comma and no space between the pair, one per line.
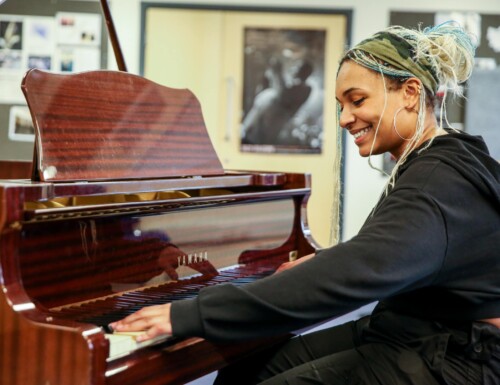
283,90
20,124
78,28
43,62
11,44
11,35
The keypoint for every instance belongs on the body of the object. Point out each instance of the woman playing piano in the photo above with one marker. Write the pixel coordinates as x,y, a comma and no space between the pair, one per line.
428,252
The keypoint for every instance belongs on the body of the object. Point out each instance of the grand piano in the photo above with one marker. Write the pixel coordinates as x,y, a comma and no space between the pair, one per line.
127,205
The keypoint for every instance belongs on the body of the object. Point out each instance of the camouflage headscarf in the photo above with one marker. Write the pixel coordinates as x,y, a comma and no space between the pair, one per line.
398,52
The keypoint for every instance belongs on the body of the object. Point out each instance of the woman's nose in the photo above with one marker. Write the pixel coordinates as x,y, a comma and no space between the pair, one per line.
346,118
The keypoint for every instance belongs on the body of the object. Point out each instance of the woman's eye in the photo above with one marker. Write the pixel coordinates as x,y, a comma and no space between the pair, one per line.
358,102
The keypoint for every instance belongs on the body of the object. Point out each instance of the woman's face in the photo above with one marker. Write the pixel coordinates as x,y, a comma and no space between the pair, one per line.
360,93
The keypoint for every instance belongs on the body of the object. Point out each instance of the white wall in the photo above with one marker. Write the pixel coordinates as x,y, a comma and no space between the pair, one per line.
362,184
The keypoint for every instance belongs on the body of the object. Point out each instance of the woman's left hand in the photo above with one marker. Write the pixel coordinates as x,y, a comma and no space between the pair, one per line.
153,320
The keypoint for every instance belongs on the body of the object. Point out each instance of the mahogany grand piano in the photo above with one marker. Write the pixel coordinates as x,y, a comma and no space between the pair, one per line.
127,205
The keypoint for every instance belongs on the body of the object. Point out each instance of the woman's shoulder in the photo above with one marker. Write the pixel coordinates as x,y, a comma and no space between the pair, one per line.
451,162
423,171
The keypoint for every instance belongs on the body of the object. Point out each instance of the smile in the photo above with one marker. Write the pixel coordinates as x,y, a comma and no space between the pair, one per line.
362,132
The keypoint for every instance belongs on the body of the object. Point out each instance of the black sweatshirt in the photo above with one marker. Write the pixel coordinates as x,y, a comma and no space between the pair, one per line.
430,248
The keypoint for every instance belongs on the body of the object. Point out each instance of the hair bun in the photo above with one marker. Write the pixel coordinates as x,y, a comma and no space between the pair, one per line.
450,51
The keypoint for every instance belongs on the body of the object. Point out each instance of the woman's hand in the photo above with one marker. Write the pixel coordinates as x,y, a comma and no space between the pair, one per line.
289,265
153,320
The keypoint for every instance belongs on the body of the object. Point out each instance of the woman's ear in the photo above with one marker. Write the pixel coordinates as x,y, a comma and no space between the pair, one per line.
411,91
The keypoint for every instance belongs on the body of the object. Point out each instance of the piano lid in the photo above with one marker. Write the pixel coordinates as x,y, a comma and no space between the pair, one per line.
112,125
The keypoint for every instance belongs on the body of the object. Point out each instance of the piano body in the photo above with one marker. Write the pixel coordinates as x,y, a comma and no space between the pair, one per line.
128,206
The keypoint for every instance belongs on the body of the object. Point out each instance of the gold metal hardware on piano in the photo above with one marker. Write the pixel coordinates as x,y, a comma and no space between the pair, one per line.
16,225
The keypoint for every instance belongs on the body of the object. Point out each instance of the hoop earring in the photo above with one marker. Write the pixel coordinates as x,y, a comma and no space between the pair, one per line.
395,127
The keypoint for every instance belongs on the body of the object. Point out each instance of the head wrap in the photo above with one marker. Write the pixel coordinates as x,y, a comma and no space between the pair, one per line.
397,52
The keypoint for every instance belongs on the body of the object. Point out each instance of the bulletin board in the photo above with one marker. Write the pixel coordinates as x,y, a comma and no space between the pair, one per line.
55,35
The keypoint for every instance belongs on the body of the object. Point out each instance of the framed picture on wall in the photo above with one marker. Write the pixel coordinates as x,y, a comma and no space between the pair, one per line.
283,90
20,124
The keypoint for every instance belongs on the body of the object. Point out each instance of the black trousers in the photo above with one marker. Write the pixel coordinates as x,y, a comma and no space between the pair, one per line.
383,349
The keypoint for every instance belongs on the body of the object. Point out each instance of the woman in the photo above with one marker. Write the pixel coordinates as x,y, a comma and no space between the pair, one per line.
428,253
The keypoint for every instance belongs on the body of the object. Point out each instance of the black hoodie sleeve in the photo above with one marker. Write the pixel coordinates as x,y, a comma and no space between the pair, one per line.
400,248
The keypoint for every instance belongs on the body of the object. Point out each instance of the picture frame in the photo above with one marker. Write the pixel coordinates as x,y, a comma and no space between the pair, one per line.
21,125
283,90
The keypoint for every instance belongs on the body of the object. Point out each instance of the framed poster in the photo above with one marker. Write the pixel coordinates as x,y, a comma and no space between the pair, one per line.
283,90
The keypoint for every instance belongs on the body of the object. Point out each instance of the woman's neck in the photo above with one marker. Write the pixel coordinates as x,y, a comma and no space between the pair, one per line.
431,129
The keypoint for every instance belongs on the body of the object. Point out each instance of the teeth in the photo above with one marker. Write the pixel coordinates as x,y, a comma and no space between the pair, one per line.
361,133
